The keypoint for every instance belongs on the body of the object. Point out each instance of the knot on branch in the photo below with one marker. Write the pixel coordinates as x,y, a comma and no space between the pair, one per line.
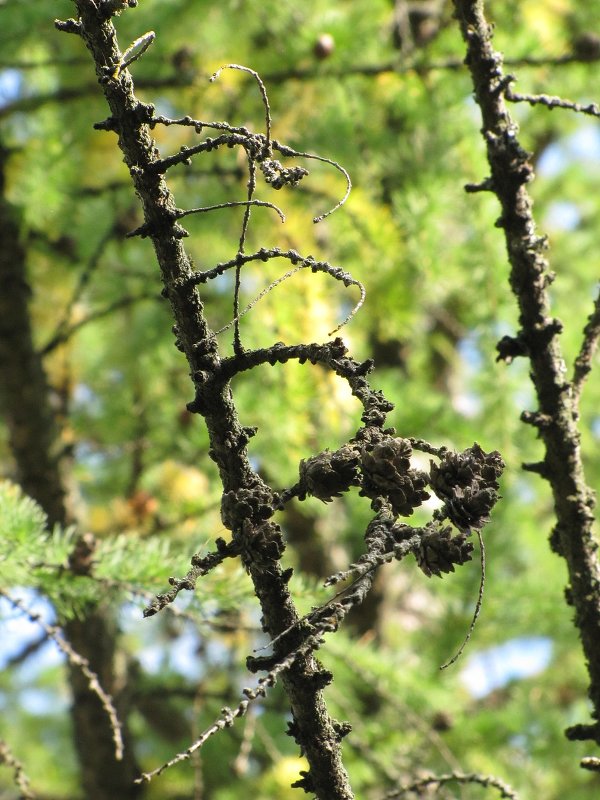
112,8
255,504
387,473
511,347
439,551
278,176
259,545
583,732
306,783
68,26
328,475
467,482
342,729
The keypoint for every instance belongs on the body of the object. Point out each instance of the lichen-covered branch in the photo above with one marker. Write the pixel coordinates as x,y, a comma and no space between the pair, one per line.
538,340
248,496
374,461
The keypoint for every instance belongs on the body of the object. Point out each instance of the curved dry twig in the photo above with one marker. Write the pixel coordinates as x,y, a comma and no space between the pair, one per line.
316,267
478,606
486,781
288,151
231,204
20,778
263,93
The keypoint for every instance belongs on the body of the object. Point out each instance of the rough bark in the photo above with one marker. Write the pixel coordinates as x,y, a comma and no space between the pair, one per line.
539,341
312,728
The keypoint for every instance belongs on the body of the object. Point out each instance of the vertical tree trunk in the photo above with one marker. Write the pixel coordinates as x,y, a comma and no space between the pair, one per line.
35,446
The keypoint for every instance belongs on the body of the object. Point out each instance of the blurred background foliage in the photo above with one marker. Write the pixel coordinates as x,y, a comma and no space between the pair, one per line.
378,87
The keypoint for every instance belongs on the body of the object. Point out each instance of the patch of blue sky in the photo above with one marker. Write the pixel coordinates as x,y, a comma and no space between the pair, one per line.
18,631
469,352
84,397
581,146
11,82
497,666
43,701
466,401
562,215
182,656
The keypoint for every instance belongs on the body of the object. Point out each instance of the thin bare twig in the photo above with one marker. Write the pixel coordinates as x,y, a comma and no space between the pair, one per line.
228,715
133,52
231,204
280,280
486,781
78,661
263,93
478,606
552,101
583,362
288,151
20,778
237,342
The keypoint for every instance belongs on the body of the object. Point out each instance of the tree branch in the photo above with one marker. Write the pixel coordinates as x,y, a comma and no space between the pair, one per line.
530,276
316,730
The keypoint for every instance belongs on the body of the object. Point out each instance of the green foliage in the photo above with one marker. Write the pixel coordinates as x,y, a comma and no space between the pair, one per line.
437,302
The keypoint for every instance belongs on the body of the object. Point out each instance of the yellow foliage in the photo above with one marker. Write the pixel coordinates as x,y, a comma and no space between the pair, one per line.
277,781
546,19
180,482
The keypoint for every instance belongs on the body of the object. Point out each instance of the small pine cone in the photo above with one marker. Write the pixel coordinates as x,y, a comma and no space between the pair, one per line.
329,475
386,462
387,473
471,507
410,493
467,482
439,551
279,176
472,466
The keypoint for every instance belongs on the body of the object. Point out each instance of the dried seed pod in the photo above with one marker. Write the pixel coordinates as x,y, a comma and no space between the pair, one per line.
387,473
467,482
328,475
439,551
279,176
